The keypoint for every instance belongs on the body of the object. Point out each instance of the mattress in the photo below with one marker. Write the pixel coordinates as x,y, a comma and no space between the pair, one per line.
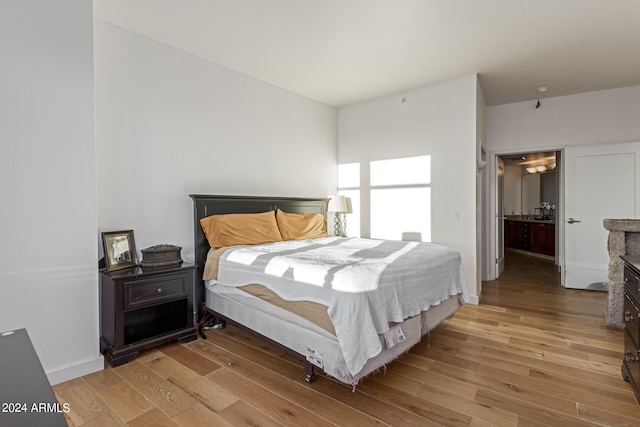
318,346
366,284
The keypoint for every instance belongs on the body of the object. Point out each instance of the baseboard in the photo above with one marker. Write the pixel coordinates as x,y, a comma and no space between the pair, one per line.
76,371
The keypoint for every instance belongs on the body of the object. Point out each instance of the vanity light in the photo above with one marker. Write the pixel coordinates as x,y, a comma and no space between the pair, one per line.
541,168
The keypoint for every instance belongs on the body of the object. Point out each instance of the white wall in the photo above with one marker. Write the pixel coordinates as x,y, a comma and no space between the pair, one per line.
440,121
48,259
169,124
588,118
602,117
482,208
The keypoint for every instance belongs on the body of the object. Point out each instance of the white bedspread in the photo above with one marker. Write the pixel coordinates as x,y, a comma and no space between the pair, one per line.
365,283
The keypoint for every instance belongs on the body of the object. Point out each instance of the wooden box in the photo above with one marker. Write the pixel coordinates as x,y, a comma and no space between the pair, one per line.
161,256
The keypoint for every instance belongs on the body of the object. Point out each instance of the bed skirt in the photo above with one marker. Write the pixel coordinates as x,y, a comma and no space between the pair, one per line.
318,346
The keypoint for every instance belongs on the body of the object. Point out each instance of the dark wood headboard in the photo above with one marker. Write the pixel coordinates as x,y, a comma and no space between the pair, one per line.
206,205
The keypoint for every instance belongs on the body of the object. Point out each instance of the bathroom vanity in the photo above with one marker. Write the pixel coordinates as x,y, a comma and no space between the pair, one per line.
531,235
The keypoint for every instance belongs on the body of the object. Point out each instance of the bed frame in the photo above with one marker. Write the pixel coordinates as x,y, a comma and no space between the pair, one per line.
206,205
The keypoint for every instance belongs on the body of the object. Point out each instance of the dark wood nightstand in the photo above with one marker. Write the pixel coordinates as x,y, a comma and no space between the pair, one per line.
631,361
143,308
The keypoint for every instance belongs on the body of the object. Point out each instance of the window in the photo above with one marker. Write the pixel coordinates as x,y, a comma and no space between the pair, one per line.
349,186
349,175
399,191
401,198
401,213
406,171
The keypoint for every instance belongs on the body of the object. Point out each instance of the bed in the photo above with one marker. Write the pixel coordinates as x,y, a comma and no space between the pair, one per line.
303,294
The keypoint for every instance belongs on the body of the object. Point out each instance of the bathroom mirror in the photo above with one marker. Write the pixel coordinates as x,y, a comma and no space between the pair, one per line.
537,188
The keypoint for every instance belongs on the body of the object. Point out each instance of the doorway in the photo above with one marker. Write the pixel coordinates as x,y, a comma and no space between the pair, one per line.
526,269
528,199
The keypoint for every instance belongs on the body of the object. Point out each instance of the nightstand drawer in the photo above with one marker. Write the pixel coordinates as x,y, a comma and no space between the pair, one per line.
631,318
155,290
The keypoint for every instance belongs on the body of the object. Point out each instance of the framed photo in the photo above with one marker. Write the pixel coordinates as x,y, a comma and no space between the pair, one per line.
119,250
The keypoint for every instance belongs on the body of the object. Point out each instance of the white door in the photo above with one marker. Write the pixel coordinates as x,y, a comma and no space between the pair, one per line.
600,182
499,219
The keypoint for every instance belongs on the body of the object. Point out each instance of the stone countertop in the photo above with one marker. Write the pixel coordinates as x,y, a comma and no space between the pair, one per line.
528,218
632,225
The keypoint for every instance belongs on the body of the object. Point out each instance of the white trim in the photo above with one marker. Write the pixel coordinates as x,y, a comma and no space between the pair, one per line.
493,200
76,371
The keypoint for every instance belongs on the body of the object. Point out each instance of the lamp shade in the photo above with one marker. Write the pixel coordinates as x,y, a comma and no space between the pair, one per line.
349,206
338,204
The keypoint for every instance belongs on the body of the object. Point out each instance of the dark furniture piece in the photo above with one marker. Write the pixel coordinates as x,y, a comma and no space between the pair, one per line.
143,308
533,236
515,235
631,361
543,238
25,393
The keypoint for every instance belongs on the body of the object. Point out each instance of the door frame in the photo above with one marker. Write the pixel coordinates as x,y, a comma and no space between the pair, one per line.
499,223
491,221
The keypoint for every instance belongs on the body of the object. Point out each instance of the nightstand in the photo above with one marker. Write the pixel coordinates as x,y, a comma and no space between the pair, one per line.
143,308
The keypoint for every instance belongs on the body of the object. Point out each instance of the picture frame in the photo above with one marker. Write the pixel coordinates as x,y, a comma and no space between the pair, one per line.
119,250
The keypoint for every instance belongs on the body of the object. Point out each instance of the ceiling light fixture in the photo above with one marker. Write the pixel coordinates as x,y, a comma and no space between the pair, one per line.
540,168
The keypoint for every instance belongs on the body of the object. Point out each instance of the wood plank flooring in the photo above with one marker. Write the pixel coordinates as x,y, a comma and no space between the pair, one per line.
531,354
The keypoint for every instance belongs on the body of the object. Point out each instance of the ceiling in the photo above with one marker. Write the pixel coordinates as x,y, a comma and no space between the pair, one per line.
341,52
546,158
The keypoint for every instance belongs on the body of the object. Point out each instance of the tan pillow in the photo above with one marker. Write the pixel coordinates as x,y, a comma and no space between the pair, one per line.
240,229
301,226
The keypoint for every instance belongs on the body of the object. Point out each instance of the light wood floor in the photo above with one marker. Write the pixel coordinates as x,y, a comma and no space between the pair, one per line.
531,354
